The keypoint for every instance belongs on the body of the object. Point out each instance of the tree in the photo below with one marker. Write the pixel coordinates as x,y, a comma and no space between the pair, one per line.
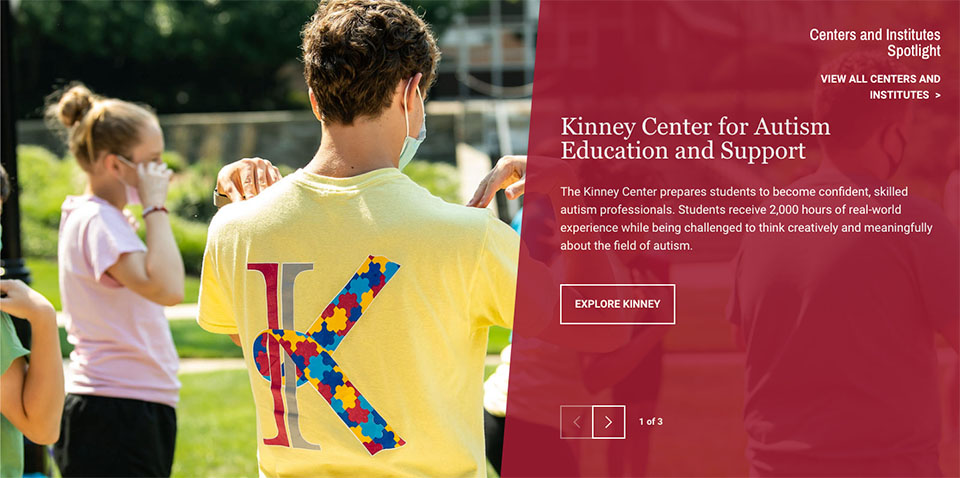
175,56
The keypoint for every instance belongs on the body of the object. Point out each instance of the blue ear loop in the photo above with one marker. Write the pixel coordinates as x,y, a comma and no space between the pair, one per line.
410,145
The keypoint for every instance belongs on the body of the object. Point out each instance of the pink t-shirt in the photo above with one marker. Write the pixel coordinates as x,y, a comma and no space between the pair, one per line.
122,342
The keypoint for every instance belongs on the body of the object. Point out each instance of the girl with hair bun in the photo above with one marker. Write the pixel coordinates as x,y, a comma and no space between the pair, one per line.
119,417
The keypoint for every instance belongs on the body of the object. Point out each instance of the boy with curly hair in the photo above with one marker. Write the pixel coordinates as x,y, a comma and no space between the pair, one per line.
361,301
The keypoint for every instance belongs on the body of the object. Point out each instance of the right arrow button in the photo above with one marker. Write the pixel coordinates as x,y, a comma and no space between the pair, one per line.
609,422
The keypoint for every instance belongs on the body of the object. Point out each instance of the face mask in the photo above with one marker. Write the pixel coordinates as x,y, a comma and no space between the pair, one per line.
133,196
410,145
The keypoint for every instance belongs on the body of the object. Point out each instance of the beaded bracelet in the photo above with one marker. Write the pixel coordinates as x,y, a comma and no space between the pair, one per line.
152,209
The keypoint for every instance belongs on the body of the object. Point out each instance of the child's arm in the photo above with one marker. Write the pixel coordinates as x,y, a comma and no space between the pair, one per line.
158,273
31,397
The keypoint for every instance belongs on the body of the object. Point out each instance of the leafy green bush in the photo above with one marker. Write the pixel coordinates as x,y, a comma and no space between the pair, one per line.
174,160
441,179
44,181
37,239
191,237
190,194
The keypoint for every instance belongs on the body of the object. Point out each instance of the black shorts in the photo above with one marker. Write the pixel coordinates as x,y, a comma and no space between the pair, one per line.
106,436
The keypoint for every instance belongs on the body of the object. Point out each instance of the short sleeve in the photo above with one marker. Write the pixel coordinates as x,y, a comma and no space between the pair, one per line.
10,346
215,309
108,236
494,288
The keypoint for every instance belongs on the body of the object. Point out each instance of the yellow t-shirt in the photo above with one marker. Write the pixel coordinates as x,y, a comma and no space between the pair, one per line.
377,296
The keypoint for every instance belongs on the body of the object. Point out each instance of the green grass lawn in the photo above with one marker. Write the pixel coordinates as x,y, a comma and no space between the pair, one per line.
191,290
43,272
190,339
499,338
194,342
44,275
216,435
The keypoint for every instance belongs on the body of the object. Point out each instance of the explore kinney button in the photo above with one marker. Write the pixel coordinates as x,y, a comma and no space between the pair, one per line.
618,304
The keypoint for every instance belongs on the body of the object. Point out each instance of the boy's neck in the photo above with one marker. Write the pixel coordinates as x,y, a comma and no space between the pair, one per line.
347,151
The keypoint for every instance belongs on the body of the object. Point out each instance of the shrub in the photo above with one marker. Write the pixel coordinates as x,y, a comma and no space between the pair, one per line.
174,160
441,179
191,195
44,181
191,237
37,239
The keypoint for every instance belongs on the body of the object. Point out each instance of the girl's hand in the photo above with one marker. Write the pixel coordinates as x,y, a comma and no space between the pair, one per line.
154,181
22,301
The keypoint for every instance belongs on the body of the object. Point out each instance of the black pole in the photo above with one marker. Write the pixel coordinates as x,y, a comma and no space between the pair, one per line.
11,257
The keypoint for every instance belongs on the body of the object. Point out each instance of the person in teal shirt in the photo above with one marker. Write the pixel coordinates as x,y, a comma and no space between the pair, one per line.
31,397
11,440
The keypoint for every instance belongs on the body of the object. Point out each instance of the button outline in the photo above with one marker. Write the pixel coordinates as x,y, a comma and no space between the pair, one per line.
561,422
593,434
594,427
673,286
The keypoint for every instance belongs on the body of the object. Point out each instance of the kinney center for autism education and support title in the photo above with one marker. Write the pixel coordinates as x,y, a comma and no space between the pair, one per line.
636,149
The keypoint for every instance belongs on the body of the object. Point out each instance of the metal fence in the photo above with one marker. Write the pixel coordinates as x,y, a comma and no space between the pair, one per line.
494,127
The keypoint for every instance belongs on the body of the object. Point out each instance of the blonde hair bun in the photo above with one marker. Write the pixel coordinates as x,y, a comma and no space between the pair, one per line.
74,105
95,124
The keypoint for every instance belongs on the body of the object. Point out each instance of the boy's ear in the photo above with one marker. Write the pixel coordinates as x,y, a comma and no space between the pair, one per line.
410,88
314,106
